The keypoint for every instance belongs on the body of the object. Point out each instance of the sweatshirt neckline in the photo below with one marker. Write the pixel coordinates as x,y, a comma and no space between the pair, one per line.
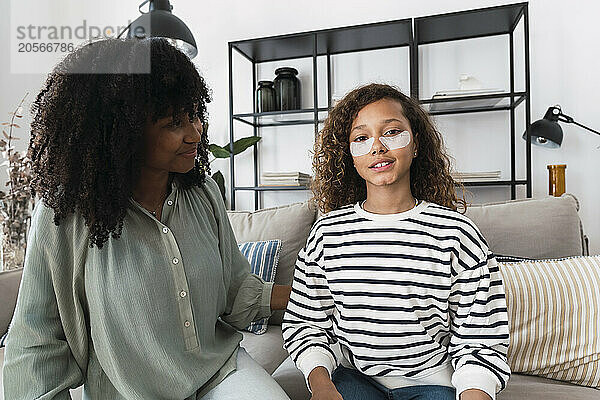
391,217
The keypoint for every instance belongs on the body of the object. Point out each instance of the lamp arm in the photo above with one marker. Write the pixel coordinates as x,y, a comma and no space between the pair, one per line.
585,127
569,120
142,5
129,26
124,30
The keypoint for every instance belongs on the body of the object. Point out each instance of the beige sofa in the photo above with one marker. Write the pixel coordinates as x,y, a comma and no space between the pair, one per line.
533,228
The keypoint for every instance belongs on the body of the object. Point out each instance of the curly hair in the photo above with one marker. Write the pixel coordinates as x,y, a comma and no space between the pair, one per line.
88,125
337,183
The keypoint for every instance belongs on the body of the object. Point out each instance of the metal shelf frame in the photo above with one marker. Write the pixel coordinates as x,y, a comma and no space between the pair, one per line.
484,22
411,33
327,42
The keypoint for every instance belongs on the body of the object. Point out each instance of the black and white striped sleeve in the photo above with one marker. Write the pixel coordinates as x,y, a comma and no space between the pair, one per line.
479,318
307,323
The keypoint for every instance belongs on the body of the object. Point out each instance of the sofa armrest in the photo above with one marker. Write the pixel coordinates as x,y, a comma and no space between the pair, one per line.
9,289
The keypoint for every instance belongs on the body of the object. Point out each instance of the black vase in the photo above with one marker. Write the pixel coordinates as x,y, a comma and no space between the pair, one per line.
265,97
287,89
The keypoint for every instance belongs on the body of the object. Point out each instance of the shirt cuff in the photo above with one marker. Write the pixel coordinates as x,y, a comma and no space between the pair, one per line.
312,359
265,302
475,377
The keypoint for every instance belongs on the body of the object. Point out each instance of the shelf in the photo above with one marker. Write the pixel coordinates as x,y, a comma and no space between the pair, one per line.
468,24
282,118
329,41
472,104
468,183
494,183
270,188
411,33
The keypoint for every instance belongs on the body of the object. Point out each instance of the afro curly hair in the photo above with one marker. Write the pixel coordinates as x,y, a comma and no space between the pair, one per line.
86,143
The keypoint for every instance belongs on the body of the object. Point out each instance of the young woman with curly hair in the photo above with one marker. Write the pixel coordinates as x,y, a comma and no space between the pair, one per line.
392,272
133,282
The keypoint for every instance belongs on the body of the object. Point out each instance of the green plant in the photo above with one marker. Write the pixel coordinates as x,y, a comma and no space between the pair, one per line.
16,203
217,151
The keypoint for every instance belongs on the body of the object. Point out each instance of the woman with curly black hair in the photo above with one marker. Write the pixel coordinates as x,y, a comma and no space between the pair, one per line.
391,271
133,283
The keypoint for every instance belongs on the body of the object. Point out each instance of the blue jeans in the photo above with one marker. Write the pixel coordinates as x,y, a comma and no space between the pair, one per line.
353,385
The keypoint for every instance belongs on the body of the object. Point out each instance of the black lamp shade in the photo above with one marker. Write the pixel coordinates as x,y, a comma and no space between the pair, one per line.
546,132
162,23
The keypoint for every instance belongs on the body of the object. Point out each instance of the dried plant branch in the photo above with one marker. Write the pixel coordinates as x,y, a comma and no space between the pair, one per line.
16,205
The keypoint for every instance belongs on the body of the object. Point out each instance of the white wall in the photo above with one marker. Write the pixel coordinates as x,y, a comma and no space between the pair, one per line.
564,63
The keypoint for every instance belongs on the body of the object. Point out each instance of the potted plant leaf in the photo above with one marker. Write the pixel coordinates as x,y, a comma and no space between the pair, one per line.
217,151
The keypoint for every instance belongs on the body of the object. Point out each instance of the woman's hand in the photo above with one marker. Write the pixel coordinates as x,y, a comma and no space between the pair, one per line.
321,385
474,394
280,296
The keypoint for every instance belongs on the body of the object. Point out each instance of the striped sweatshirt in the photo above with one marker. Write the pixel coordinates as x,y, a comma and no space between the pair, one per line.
412,298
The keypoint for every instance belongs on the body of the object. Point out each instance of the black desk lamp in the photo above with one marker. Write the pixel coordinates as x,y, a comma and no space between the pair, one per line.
547,132
160,22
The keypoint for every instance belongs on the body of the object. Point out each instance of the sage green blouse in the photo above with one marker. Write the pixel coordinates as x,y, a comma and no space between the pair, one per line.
151,315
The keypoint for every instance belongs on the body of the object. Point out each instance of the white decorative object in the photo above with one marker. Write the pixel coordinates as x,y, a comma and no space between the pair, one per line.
468,82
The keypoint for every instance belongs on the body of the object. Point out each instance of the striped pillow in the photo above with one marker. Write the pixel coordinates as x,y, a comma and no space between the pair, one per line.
554,318
263,257
506,259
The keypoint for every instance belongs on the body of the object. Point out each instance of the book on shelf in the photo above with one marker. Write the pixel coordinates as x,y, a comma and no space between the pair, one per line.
290,184
284,180
464,96
287,182
294,178
442,94
292,174
471,176
475,179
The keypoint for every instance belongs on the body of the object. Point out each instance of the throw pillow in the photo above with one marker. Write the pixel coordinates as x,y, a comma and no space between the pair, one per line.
263,257
501,258
290,224
554,318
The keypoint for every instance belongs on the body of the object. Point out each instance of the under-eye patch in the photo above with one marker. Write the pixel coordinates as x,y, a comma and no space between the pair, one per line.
398,141
358,149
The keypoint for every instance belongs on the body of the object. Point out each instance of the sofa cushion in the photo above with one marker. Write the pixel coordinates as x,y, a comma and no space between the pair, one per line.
291,380
535,228
519,386
554,318
267,349
263,257
290,224
535,388
9,288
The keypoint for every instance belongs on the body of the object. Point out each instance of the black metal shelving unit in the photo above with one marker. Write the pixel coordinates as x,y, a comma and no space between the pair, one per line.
492,21
485,22
327,42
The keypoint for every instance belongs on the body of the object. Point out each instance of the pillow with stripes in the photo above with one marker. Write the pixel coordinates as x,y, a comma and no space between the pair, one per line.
501,258
263,257
554,318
